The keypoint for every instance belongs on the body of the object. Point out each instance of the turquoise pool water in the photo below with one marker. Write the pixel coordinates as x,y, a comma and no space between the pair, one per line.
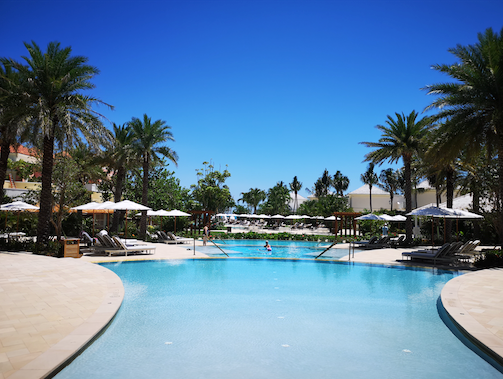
280,249
269,318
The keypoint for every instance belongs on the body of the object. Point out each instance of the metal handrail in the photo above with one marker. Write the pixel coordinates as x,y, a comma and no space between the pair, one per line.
218,246
324,251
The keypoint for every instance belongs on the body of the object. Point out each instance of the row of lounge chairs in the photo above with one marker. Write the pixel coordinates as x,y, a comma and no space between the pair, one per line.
380,243
114,245
170,238
447,253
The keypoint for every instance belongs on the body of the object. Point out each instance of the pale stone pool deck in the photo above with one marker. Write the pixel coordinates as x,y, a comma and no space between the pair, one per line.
51,308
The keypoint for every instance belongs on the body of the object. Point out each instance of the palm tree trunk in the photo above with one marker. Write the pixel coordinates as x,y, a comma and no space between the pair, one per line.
144,198
4,158
391,195
500,190
370,191
45,212
118,215
476,209
408,198
450,200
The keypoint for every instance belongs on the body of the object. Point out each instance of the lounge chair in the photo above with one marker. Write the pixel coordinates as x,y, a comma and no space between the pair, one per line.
148,249
113,245
359,244
379,244
170,238
398,242
443,255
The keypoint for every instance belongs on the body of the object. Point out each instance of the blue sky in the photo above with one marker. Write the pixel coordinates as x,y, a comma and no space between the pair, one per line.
272,89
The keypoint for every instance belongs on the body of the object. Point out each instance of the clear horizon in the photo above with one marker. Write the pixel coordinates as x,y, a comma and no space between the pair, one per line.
272,89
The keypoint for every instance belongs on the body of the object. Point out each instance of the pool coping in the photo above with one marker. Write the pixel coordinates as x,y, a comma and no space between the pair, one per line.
474,303
56,357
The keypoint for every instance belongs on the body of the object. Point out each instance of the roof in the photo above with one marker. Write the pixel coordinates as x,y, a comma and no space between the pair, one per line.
364,190
22,150
299,197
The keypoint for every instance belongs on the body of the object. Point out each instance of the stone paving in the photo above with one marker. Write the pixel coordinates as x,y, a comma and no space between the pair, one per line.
50,308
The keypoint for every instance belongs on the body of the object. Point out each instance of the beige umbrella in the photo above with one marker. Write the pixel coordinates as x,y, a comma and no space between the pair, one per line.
176,213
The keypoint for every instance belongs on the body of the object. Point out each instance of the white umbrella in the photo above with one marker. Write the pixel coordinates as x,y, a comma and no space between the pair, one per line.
277,216
433,211
127,205
398,218
17,206
161,212
152,213
84,207
293,217
332,218
263,216
459,213
176,213
369,216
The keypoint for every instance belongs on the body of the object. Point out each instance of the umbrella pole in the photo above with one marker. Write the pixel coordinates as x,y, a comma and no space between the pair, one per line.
175,224
93,221
432,241
444,229
457,229
17,225
125,229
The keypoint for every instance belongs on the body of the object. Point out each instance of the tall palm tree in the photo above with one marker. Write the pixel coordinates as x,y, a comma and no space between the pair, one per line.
61,113
340,183
11,123
147,139
389,182
119,158
253,198
472,106
295,186
401,138
370,178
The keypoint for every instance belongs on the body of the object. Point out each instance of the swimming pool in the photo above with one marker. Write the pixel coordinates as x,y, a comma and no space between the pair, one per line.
269,318
280,249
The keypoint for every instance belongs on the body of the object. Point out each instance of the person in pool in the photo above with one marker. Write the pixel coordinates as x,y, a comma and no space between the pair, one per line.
267,246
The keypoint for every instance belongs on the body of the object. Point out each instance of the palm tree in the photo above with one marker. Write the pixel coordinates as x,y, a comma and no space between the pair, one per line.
61,114
119,159
389,182
11,123
295,186
340,183
402,138
253,198
472,106
369,177
147,137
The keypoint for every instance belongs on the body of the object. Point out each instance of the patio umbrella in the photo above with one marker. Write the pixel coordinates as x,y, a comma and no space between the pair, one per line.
369,216
277,216
128,205
17,206
398,218
293,217
176,213
432,211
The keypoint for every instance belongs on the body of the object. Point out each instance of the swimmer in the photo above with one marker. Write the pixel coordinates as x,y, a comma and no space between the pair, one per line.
267,246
